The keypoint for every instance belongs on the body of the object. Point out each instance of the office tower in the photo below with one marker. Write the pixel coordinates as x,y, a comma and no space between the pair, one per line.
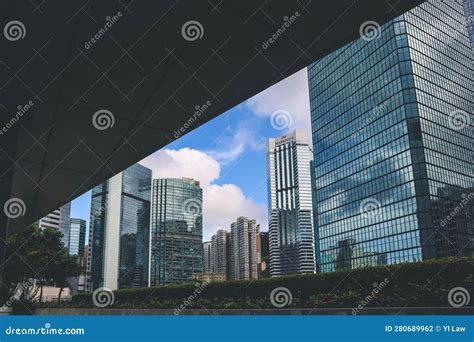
469,15
119,230
176,231
264,254
77,237
244,249
392,131
290,205
58,219
206,246
221,252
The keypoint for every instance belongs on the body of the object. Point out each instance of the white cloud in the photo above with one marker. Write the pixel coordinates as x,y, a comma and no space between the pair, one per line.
290,95
232,143
222,204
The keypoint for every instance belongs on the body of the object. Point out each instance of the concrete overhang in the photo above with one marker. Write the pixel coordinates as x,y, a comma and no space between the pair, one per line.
139,63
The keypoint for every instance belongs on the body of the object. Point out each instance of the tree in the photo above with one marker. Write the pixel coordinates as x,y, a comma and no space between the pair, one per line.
64,266
36,257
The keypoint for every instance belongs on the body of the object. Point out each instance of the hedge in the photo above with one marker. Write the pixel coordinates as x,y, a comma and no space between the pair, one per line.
424,283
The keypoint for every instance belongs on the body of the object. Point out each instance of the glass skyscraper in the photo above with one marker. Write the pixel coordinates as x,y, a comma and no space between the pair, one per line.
393,142
120,227
469,14
77,237
291,224
176,231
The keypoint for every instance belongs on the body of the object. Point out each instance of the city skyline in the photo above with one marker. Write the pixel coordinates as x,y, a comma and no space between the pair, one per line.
221,158
211,166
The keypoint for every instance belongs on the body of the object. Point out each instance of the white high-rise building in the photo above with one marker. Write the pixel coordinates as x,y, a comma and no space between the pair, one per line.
244,249
290,207
77,237
60,220
220,252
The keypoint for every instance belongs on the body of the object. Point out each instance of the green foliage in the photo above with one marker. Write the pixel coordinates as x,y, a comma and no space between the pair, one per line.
413,284
36,256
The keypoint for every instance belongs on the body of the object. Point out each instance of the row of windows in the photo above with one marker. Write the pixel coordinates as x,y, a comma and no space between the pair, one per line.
375,76
449,29
392,148
397,257
364,183
356,53
454,96
440,73
370,210
443,127
362,115
349,155
362,128
448,162
368,232
449,177
346,248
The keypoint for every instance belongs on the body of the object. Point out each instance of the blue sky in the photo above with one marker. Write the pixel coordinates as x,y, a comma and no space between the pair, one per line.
228,154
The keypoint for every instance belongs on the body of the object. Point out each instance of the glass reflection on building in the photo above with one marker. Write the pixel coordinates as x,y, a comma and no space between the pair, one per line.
392,132
469,14
120,228
176,231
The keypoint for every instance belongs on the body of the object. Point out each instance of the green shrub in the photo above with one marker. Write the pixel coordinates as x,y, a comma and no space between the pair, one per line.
412,284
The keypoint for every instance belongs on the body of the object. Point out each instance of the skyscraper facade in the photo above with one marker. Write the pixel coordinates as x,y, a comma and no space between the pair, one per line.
119,231
221,252
207,265
392,131
59,220
176,231
469,14
77,237
290,207
244,249
263,253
